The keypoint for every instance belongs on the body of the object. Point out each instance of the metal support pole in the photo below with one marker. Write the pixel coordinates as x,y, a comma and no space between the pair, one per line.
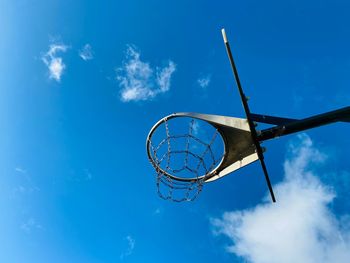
305,124
248,114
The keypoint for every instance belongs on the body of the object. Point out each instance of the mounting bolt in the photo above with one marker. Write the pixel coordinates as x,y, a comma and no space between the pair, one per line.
247,98
263,149
255,123
258,132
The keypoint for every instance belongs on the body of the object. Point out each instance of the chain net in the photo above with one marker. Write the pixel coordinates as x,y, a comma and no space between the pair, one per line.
184,159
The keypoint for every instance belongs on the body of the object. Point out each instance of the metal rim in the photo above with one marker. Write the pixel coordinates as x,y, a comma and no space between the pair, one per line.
160,170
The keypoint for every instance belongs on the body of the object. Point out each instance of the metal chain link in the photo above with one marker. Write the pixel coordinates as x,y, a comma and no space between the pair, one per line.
189,189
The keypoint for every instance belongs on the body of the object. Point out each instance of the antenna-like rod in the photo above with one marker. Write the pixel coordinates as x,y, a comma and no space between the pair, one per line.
248,114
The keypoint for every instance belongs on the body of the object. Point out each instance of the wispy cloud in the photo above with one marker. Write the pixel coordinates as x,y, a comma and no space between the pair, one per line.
80,175
54,62
157,211
86,52
164,76
300,227
88,174
139,81
20,170
30,225
131,246
25,183
195,127
204,81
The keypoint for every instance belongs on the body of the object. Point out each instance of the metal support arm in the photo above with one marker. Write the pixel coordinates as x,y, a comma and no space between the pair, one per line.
305,124
270,119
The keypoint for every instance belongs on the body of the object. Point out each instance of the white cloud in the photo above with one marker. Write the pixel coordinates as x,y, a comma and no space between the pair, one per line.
25,183
80,175
195,127
139,81
131,246
157,211
164,76
54,62
86,52
300,227
30,225
204,82
88,174
20,170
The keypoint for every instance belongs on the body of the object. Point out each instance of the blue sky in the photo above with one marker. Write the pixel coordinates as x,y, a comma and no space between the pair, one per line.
75,183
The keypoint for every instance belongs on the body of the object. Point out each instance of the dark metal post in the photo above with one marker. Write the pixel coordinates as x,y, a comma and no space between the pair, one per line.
305,124
247,112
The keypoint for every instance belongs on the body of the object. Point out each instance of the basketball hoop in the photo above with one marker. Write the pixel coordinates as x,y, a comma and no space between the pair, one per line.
201,148
190,149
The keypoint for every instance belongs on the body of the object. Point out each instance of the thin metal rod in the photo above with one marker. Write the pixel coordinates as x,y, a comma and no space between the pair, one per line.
262,162
305,124
248,114
235,73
